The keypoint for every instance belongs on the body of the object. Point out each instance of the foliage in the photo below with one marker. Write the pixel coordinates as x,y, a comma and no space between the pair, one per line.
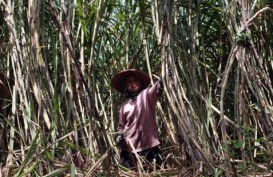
214,57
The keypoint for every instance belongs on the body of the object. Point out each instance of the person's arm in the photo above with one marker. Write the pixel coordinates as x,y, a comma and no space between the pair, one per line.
159,88
155,91
120,141
121,121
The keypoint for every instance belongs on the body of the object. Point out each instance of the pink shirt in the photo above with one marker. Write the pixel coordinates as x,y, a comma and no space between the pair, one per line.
137,119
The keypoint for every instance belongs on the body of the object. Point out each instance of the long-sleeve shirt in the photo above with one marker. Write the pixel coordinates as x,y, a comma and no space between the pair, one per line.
137,119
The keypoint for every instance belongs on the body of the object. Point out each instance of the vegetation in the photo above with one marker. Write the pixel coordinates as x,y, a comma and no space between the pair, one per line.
58,57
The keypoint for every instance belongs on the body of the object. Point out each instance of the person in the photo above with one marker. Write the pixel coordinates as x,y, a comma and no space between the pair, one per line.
137,127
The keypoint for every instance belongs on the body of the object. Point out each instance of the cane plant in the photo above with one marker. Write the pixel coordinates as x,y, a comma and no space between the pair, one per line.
58,57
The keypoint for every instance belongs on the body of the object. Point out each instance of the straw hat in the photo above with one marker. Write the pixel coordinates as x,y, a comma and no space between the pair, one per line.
118,81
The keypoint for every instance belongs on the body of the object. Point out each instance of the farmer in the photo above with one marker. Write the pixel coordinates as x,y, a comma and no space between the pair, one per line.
137,129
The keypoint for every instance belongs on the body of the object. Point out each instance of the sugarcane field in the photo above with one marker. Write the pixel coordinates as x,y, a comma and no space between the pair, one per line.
136,88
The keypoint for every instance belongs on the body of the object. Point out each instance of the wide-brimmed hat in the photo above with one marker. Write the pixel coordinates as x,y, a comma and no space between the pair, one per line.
119,80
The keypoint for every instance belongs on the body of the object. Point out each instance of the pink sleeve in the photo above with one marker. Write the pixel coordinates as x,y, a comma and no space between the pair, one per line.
155,91
121,121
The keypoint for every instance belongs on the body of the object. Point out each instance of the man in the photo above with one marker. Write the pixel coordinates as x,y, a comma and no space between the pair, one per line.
137,128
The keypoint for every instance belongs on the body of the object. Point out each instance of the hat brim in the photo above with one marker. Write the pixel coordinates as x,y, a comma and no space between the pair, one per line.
118,81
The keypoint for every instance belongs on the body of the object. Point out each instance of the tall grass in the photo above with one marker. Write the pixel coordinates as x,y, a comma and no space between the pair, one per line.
215,59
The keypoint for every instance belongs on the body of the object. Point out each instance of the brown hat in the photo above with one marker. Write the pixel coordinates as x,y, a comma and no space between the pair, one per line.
118,81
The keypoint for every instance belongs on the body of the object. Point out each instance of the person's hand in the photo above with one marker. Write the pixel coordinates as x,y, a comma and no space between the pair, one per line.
170,72
119,139
120,142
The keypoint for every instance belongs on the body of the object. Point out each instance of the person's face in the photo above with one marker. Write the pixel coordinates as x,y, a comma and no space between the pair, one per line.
133,84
